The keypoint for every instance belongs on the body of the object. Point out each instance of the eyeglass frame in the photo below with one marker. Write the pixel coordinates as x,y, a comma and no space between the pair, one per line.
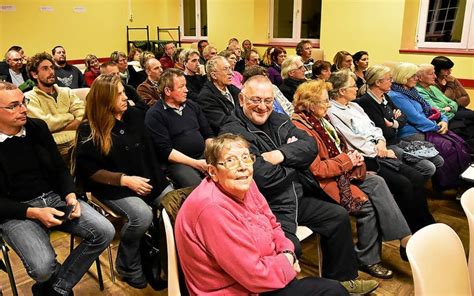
257,100
16,105
238,161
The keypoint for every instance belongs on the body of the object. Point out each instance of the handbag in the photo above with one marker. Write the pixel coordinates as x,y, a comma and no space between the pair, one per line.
414,151
151,259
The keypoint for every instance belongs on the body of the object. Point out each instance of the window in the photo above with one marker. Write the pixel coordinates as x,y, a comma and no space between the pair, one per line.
293,20
194,18
446,24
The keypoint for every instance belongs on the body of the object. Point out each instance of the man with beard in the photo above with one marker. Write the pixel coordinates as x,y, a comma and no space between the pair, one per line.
59,107
66,75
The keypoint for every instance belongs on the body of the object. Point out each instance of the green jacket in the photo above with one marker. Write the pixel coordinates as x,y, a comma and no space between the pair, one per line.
438,100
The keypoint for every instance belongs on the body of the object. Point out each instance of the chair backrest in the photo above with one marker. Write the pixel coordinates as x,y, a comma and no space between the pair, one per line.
173,275
467,202
81,92
438,262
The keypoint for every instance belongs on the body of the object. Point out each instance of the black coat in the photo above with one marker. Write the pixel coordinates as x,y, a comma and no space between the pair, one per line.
378,112
288,87
52,164
131,153
215,105
280,184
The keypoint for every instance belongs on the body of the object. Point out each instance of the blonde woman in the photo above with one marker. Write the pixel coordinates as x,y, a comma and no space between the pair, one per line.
116,162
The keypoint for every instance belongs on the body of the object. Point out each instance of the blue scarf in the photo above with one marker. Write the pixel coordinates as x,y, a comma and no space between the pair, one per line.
415,96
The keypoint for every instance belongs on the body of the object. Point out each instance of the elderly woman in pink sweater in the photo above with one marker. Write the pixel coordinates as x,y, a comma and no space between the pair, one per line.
228,240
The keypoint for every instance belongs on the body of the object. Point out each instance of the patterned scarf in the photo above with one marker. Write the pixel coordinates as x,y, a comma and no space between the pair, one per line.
332,141
415,96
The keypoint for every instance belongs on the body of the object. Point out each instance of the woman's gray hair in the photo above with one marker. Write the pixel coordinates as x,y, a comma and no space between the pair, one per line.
340,80
289,65
375,73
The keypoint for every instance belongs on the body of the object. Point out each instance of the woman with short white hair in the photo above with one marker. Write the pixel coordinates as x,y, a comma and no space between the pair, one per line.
293,74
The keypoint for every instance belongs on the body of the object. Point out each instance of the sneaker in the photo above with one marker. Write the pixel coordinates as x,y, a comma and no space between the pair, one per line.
360,287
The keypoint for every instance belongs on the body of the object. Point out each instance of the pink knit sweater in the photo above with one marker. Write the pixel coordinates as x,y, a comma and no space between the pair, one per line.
229,247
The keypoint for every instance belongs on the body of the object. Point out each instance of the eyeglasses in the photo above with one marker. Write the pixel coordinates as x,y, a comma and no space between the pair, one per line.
15,106
233,162
258,100
415,77
386,79
17,60
351,86
323,102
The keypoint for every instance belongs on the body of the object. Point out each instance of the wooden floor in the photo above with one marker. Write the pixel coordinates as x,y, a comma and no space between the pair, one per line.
445,209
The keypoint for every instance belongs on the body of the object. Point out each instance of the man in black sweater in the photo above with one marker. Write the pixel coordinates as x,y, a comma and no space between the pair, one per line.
179,130
194,78
37,194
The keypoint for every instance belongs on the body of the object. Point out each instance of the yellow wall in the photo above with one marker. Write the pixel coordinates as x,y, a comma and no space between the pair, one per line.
100,30
381,27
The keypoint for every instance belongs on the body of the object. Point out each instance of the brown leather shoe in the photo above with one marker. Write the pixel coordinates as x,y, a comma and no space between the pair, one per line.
377,270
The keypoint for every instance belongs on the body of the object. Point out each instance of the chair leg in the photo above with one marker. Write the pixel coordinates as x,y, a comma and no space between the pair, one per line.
99,274
320,255
9,270
71,247
111,264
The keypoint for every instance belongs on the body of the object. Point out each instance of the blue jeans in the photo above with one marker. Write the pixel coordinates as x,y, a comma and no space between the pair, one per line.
30,240
139,217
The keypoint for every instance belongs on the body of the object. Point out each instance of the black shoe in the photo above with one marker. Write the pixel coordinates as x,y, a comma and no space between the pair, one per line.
377,270
403,254
137,283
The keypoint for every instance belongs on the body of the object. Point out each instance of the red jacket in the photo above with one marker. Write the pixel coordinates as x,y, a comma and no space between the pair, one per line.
326,169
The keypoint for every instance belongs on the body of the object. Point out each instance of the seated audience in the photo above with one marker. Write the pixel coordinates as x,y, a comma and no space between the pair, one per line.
194,78
321,70
92,69
134,58
218,97
148,90
342,60
342,175
450,86
59,107
280,104
278,56
252,58
167,60
380,108
284,154
304,49
179,130
460,121
293,74
141,76
232,59
120,59
115,161
221,253
246,46
362,135
209,52
179,59
266,59
361,63
134,99
67,75
427,123
14,71
36,189
201,45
